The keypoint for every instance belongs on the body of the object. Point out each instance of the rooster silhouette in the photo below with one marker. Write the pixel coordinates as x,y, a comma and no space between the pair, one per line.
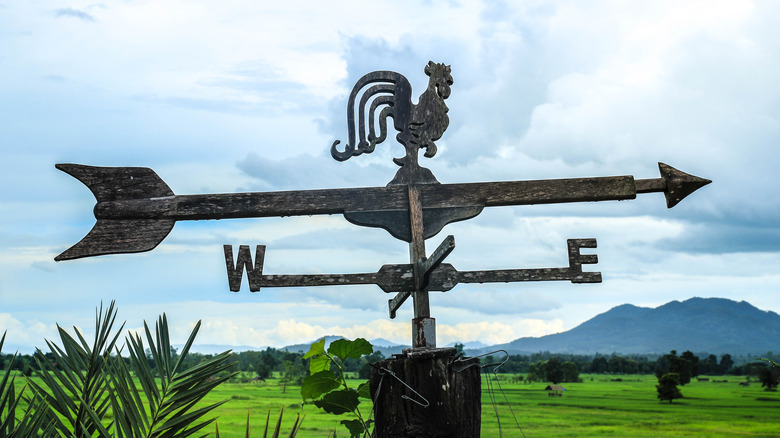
418,125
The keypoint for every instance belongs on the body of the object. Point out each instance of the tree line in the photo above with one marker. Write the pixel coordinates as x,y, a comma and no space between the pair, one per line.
614,363
542,366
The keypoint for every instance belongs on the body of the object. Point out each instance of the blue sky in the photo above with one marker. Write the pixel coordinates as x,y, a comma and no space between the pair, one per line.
248,96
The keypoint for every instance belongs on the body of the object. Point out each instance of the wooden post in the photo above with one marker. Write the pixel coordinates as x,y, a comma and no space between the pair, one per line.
452,395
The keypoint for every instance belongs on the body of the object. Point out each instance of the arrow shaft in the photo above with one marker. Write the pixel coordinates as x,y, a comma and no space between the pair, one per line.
136,210
318,280
398,278
401,278
539,274
335,201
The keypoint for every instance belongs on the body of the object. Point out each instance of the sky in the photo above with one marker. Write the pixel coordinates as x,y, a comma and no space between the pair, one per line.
238,96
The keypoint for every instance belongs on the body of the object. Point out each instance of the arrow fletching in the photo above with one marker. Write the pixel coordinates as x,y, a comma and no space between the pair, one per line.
119,236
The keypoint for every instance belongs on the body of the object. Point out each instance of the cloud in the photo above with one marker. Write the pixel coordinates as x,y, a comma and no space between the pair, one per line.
307,172
494,332
295,331
498,299
23,335
69,12
224,97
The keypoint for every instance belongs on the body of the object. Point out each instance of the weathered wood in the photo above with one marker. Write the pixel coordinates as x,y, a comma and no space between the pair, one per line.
119,236
423,326
417,252
254,271
454,398
427,265
125,194
400,278
422,272
333,201
135,225
396,223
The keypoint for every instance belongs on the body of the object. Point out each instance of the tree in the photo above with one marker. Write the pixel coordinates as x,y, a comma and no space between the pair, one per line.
769,377
570,372
535,372
709,365
726,363
262,370
365,368
692,365
684,366
664,364
599,365
553,372
292,373
458,348
667,387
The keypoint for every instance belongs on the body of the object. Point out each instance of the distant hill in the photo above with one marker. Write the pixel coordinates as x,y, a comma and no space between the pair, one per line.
303,348
383,345
704,325
701,325
217,349
473,345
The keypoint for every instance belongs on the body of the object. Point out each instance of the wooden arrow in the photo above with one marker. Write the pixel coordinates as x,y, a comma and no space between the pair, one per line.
136,209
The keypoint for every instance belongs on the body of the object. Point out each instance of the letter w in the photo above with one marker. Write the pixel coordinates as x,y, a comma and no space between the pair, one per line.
254,274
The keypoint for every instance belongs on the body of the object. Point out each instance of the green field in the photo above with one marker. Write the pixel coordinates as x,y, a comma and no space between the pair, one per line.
597,406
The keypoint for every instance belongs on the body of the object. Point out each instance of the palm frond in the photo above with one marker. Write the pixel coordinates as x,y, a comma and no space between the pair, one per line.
276,433
171,394
88,389
75,381
35,417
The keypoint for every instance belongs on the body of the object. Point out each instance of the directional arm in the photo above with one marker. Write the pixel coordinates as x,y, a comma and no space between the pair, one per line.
400,278
136,210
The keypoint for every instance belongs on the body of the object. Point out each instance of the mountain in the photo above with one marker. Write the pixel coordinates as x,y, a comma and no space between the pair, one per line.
384,346
704,325
388,348
217,349
303,348
701,325
473,345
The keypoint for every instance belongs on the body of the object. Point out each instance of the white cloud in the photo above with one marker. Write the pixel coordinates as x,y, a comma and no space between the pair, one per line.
492,333
241,97
25,334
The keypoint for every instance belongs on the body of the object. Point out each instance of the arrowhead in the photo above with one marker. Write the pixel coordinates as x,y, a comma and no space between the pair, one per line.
679,184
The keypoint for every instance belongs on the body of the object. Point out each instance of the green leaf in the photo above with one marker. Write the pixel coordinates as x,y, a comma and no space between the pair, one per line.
339,402
316,348
319,363
344,348
315,385
355,428
364,390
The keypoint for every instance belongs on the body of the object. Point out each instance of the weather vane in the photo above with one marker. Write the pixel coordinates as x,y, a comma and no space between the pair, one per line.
136,209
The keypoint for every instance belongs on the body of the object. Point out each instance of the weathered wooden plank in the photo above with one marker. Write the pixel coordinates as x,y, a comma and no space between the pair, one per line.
119,237
453,407
395,278
333,201
125,194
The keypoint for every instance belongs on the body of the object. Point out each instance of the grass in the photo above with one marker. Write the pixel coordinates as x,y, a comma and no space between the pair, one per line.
598,406
601,407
